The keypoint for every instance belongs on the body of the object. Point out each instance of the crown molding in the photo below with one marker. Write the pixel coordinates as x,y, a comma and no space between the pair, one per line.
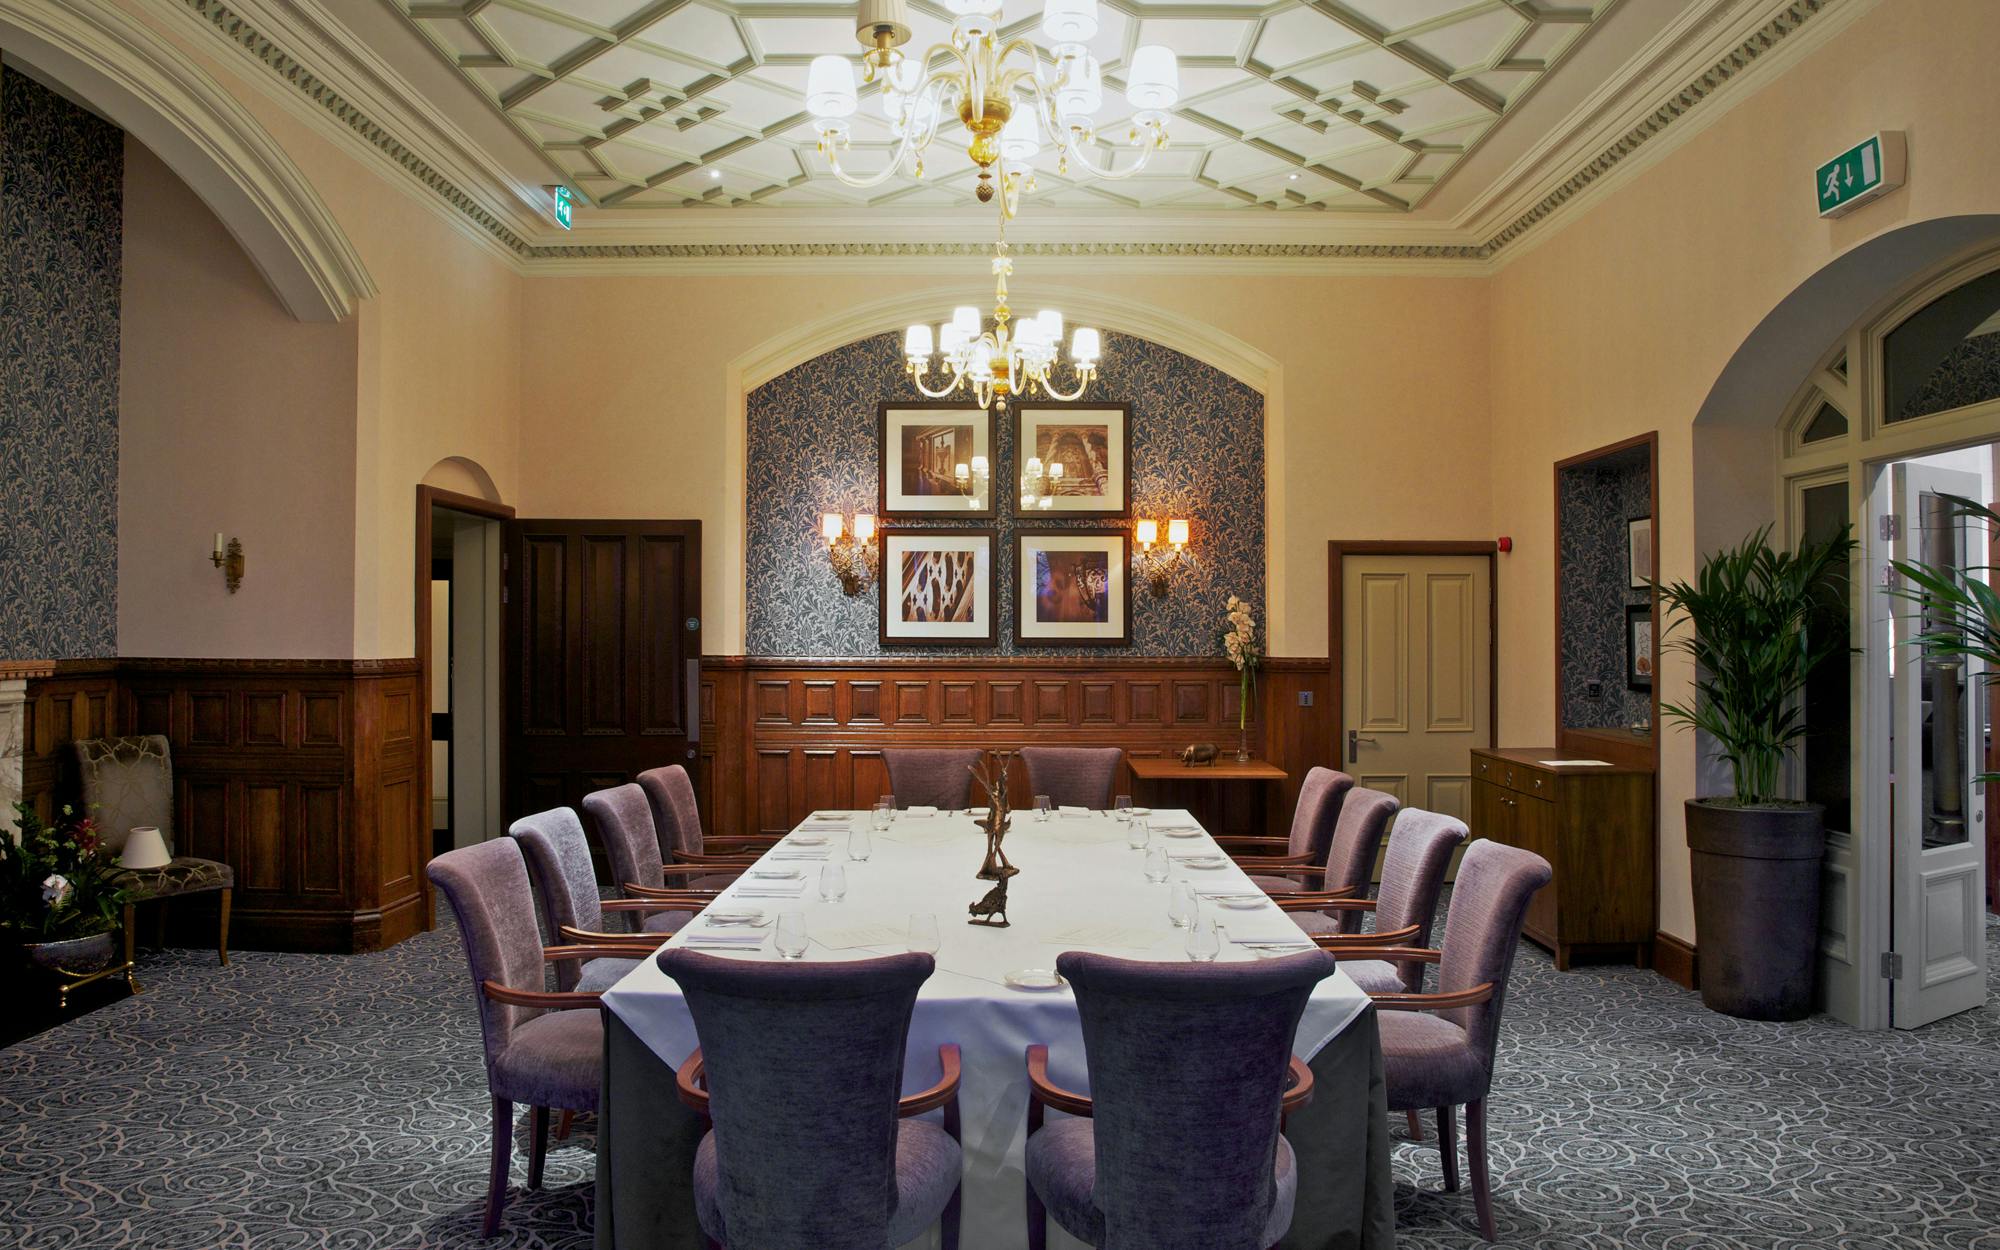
1710,50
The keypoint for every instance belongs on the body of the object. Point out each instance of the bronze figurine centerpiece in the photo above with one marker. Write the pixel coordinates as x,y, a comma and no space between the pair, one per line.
991,774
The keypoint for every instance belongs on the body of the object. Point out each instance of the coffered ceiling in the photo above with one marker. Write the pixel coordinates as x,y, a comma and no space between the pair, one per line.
1345,106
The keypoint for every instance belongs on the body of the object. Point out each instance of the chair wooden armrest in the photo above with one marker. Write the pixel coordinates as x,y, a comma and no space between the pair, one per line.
1324,900
682,860
1237,844
1435,1002
672,893
1043,1092
591,949
945,1091
1391,954
1348,941
746,845
565,1001
645,905
690,1085
643,943
1278,864
705,870
1300,1092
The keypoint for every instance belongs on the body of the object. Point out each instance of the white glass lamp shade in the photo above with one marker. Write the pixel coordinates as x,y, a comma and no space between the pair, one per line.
1051,322
951,338
1031,336
965,319
1149,533
1056,471
1021,137
1082,90
145,848
1069,21
864,527
830,87
917,342
1083,346
979,466
1177,533
972,8
1154,79
831,527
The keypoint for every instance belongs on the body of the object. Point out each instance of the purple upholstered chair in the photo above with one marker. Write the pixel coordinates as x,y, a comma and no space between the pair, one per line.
541,1049
1349,866
1437,1049
1178,1146
677,819
624,817
799,1069
1412,875
921,777
1321,796
559,857
1073,776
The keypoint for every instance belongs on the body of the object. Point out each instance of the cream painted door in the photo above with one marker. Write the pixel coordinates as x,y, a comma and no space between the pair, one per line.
1417,675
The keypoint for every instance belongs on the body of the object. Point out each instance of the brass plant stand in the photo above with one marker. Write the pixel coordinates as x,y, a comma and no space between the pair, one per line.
67,980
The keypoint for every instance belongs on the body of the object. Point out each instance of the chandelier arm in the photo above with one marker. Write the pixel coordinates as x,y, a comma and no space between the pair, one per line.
875,180
1082,383
1146,149
957,379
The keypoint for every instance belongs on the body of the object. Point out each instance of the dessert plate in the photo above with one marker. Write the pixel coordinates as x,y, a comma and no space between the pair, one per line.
1040,979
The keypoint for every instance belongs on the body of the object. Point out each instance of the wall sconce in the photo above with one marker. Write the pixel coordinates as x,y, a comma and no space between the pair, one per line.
1156,563
230,560
853,552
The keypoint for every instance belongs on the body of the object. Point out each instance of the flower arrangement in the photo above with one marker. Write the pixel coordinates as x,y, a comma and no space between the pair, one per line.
57,881
1239,643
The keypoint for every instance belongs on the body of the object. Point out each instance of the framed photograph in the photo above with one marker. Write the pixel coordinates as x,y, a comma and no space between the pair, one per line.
937,588
1639,550
1093,447
1638,646
1075,587
922,448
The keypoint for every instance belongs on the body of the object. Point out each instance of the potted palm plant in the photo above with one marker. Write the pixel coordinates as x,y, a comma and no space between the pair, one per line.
1756,622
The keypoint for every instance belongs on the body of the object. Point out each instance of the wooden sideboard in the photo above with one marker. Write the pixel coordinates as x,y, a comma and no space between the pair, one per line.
1594,824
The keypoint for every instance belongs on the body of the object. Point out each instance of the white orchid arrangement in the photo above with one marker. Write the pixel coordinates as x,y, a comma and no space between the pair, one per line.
1239,643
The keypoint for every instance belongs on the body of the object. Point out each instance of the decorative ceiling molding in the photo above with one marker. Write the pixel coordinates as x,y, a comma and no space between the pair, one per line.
533,253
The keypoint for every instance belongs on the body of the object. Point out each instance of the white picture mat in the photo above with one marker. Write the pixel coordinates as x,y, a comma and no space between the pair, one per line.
896,420
896,546
1117,472
1113,546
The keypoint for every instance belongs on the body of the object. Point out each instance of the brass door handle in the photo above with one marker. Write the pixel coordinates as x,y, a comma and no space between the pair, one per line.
1354,741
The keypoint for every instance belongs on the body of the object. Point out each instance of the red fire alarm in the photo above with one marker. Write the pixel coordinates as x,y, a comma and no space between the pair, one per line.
1506,543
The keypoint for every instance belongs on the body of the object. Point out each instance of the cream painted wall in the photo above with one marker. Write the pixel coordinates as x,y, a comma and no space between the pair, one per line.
629,408
1620,321
233,417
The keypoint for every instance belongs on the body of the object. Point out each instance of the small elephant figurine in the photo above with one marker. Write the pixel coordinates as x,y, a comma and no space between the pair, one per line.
1199,753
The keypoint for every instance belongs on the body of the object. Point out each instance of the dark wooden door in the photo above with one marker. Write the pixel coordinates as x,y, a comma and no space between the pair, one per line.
603,654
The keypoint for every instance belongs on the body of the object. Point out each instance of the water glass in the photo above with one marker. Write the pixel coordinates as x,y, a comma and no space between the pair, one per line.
1181,905
1042,807
885,811
1157,865
859,847
1121,807
791,939
832,883
1137,834
923,933
1204,941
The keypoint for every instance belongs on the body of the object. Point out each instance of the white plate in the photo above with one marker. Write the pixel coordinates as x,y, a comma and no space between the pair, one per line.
1204,861
1178,833
808,839
1034,979
1142,811
776,874
1239,904
736,917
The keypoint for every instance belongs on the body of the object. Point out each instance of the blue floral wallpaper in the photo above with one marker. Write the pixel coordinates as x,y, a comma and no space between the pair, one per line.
61,202
1197,452
1596,501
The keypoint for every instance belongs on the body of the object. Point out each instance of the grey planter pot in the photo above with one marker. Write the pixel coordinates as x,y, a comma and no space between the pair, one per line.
1756,906
72,955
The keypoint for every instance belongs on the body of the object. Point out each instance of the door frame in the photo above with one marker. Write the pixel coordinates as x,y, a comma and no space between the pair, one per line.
1337,551
429,497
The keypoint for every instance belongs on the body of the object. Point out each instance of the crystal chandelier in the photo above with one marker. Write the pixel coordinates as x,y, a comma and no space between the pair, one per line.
994,364
1007,96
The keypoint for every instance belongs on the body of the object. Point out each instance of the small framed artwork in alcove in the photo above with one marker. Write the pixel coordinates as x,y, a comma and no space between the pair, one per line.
1075,587
1079,459
1639,551
936,460
1638,646
937,588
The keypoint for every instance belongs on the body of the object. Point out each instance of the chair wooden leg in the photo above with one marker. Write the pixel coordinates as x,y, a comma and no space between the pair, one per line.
222,935
1475,1160
503,1149
538,1144
1038,1221
1416,1126
562,1125
131,939
160,925
949,1222
1448,1149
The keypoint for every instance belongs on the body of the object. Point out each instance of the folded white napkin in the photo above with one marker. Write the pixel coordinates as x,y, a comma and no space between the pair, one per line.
1068,810
738,940
920,813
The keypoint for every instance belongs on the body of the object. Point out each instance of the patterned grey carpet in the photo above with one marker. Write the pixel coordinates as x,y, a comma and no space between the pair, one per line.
307,1101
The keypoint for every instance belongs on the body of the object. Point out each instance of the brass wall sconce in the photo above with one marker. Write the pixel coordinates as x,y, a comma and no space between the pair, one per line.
852,549
1156,562
230,560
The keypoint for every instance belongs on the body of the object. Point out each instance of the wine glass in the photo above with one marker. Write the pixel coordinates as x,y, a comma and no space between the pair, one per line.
832,883
1121,807
1157,864
1181,905
791,937
1042,807
1138,833
923,933
859,847
1204,940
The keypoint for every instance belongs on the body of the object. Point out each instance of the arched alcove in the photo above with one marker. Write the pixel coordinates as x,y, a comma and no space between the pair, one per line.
462,475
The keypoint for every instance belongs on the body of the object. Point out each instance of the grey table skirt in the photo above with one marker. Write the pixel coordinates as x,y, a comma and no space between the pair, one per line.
646,1139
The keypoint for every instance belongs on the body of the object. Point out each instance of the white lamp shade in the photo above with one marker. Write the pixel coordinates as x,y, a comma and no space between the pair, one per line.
1031,335
1069,21
831,526
1082,90
1083,345
969,8
951,337
830,86
979,465
1177,533
864,527
1149,533
917,341
145,848
1052,326
982,361
1021,137
1154,80
965,319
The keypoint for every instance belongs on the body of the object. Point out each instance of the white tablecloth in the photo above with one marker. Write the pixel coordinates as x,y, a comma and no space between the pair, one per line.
1077,875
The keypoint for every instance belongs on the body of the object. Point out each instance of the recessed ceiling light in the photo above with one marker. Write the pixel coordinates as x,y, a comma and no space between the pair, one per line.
715,173
1292,177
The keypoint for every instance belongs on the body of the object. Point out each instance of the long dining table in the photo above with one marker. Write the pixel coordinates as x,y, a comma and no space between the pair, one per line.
1081,886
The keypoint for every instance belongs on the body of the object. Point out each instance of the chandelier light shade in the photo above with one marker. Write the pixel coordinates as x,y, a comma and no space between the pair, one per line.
1013,358
1013,98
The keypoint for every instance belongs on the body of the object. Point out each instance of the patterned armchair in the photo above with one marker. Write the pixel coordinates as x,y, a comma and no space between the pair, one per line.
128,783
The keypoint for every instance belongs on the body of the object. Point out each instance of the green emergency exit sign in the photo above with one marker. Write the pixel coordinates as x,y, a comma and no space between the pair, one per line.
562,207
1871,168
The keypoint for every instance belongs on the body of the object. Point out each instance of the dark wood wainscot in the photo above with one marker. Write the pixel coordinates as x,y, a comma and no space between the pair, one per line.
780,738
302,775
1594,824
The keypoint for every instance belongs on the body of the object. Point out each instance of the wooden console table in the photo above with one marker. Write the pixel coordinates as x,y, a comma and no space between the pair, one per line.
1231,808
1167,768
